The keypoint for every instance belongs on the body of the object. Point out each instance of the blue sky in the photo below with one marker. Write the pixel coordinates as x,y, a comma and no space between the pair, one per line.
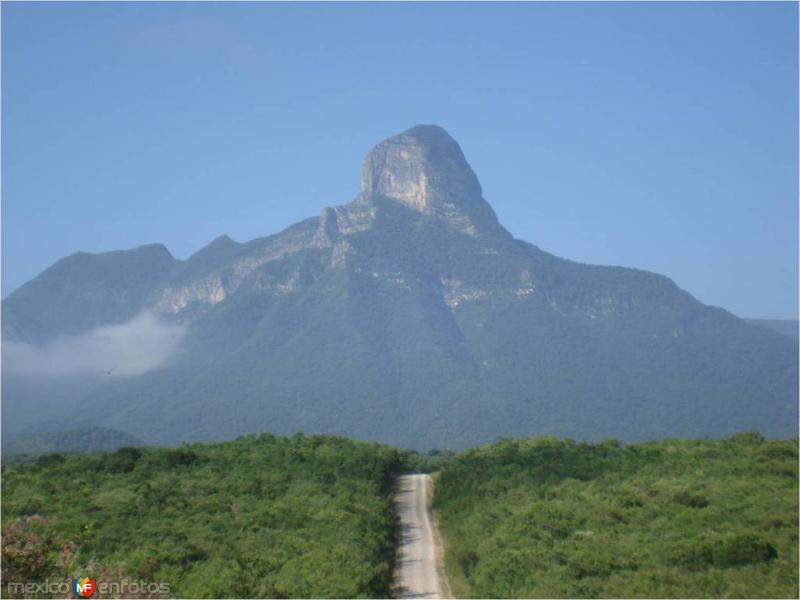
657,136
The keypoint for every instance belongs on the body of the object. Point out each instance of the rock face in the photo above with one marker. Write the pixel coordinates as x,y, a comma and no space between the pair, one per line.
425,170
409,315
422,168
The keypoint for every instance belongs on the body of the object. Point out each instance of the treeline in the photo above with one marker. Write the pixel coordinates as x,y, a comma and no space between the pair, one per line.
74,441
260,516
548,518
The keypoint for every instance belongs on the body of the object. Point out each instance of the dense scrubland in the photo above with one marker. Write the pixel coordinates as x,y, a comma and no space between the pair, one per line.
552,518
266,516
255,517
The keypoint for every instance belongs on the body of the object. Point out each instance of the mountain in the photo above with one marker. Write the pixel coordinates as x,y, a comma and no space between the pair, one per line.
409,316
79,441
784,326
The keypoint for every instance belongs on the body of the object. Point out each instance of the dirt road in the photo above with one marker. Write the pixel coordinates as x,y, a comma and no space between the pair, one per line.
419,570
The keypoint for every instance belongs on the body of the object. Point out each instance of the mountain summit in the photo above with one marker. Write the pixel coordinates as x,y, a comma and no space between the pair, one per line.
421,168
408,315
424,169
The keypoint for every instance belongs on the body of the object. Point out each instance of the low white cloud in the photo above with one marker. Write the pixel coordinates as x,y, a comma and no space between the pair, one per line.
142,344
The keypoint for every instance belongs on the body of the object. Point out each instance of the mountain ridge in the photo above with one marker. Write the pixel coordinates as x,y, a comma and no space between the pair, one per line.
411,316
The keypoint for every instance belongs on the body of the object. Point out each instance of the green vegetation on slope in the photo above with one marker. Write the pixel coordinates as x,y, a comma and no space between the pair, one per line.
550,518
255,517
73,441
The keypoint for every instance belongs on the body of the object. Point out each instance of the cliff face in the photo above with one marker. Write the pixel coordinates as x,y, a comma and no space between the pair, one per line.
409,315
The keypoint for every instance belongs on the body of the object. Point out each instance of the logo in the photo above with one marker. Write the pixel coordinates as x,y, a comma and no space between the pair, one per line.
83,588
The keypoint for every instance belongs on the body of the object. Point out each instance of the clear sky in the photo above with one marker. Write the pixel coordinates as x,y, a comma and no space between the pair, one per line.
658,136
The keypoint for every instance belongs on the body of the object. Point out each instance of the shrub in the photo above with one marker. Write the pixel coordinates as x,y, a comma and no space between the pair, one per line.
742,549
691,500
254,517
181,457
549,518
48,460
122,460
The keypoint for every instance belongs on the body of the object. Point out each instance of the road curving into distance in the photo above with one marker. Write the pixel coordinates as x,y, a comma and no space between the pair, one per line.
419,572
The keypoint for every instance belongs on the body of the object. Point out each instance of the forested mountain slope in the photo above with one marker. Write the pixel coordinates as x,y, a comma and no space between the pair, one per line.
409,316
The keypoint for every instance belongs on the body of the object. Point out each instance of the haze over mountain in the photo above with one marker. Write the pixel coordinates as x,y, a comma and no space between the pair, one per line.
785,326
409,316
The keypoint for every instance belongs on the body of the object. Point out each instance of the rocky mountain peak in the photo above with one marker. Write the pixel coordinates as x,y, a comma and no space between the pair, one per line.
379,318
424,169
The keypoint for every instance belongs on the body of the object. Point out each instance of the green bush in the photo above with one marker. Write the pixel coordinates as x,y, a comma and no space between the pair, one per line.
689,499
48,460
743,549
260,516
122,460
548,518
180,457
